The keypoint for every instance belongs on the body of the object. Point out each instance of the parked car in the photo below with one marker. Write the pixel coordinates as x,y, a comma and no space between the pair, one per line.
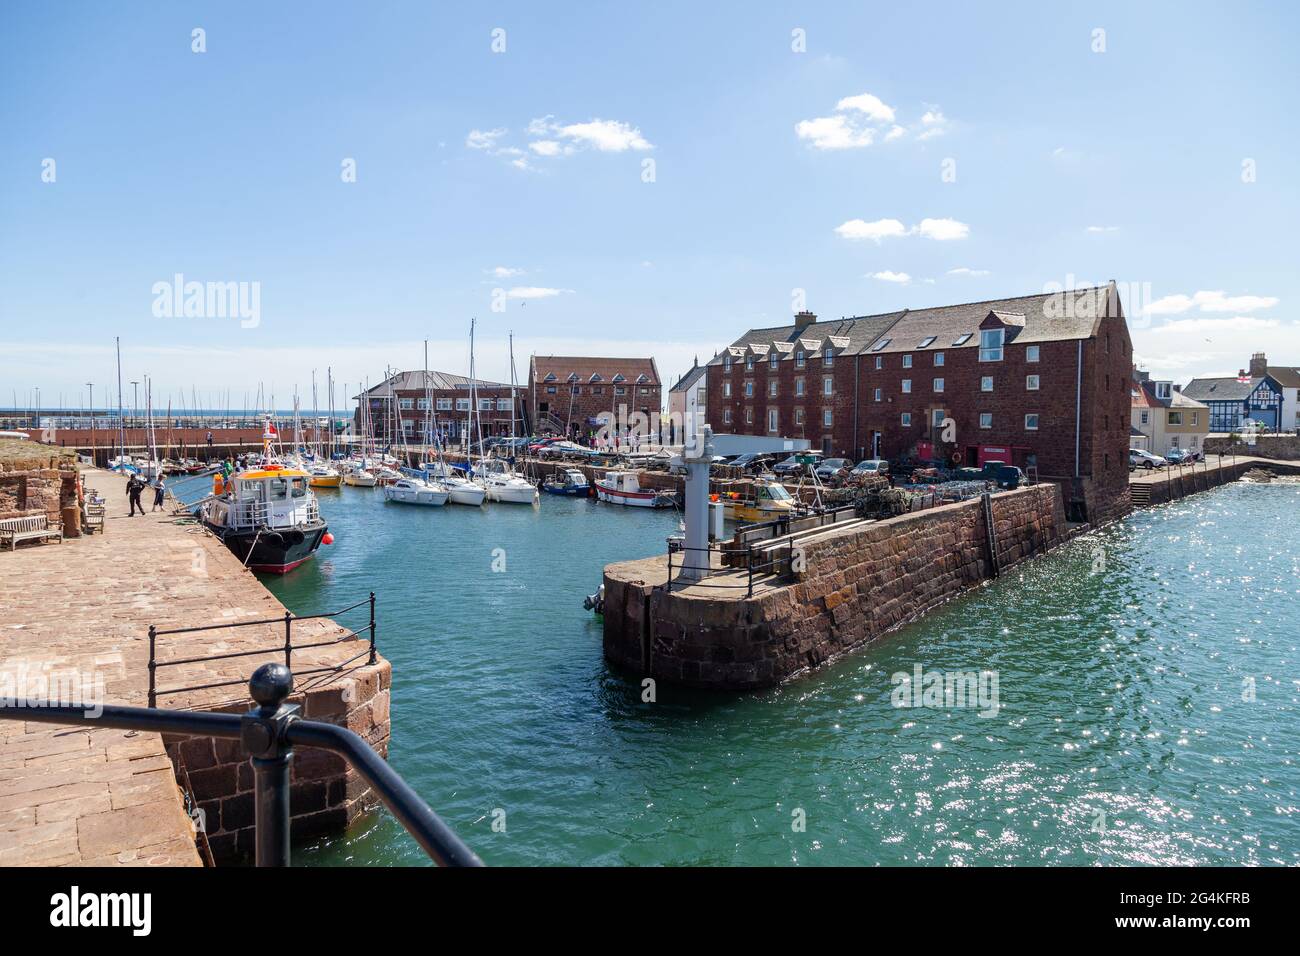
833,470
754,463
871,466
793,466
1007,477
1144,459
1181,456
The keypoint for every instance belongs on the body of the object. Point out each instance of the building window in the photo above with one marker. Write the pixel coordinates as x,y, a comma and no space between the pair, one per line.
1145,417
550,389
938,358
927,341
726,363
504,404
1162,390
880,394
880,362
726,390
749,416
798,416
1196,420
405,403
828,418
986,383
828,358
1175,418
598,390
422,404
1031,382
828,386
408,425
485,404
986,419
1031,422
906,419
749,363
938,385
937,417
771,419
749,389
620,390
907,386
799,359
726,416
773,359
991,341
907,361
798,386
1031,353
444,404
462,404
771,388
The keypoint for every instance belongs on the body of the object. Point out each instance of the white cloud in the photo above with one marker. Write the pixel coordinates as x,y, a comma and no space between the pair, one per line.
1209,301
964,271
902,278
878,230
860,120
868,104
1096,230
834,132
484,139
938,229
1238,324
505,272
943,229
545,147
534,292
608,136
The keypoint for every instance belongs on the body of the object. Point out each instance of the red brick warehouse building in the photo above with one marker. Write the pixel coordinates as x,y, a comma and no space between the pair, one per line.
399,407
1040,381
570,395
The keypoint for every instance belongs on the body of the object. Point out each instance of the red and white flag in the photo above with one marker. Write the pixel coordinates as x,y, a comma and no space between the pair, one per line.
269,432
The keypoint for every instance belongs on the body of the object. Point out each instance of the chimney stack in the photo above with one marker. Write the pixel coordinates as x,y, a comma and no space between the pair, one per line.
1258,365
804,319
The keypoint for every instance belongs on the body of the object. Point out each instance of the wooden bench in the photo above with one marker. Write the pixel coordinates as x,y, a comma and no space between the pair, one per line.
33,527
93,517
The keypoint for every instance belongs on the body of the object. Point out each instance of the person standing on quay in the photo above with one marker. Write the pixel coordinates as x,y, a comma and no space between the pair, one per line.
158,491
133,489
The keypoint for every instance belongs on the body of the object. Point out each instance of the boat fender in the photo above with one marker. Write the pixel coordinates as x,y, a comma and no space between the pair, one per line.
327,538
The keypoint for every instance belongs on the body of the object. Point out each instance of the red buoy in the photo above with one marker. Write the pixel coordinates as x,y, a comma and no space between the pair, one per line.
327,538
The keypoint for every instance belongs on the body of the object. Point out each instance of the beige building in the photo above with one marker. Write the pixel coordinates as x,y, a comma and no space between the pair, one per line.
1164,418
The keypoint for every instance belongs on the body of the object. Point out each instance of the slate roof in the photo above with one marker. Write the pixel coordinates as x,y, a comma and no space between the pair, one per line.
1285,376
690,378
1220,389
845,336
596,370
1146,397
415,381
1045,317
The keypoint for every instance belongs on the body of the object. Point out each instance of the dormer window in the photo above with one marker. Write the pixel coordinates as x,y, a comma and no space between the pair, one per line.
726,363
1162,390
828,357
749,363
799,359
991,341
773,359
550,377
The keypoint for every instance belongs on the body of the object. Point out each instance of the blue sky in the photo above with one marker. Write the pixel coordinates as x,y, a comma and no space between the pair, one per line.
773,171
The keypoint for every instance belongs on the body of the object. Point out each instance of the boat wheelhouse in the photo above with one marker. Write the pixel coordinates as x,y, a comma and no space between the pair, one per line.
621,487
569,481
767,501
267,516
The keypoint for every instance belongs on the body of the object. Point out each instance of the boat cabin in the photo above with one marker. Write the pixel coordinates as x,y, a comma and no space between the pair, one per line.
271,497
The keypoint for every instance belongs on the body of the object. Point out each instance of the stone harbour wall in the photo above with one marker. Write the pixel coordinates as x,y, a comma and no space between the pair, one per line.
859,583
325,795
1277,447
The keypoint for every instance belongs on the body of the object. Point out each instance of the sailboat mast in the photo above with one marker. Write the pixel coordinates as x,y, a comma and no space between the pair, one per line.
121,425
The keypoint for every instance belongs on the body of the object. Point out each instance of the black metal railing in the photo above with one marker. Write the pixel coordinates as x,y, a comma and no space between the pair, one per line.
288,647
268,733
776,566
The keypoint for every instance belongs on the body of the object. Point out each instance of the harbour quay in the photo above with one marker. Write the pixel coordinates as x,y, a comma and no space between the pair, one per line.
77,618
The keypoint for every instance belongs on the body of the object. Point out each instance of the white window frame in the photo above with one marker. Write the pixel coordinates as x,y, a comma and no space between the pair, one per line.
1031,353
905,419
986,419
907,361
938,385
1034,426
907,386
1032,383
828,418
986,383
990,352
938,358
828,385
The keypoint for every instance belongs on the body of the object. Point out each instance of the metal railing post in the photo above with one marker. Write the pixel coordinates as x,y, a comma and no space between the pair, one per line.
749,563
288,639
153,665
263,733
373,657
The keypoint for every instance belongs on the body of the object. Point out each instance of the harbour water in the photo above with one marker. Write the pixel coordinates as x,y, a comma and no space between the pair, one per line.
1146,713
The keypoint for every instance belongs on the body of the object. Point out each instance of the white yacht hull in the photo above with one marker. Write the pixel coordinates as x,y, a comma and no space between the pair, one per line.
514,493
466,493
408,496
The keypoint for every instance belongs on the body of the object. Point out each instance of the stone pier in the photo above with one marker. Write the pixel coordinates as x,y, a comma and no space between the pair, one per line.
856,582
80,612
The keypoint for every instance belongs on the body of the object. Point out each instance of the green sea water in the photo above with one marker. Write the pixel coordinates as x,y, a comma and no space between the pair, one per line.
1147,702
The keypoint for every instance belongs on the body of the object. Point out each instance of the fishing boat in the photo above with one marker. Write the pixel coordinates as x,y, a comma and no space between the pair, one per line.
622,487
570,482
416,491
268,517
323,476
767,501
